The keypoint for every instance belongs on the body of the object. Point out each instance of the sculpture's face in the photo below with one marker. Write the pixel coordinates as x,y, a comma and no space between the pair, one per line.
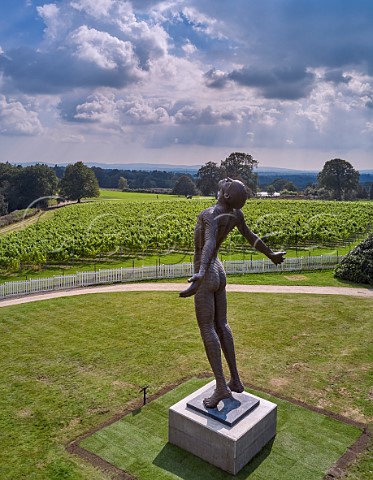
234,192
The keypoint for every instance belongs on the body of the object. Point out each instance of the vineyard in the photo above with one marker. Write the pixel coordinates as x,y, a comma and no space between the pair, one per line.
128,227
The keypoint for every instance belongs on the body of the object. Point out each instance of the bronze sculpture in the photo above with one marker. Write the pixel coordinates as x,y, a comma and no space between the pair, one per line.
209,281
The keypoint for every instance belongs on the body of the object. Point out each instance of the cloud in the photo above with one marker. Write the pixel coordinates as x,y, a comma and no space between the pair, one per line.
191,114
286,83
94,8
16,119
337,76
50,13
216,78
90,58
112,111
201,22
189,48
149,40
139,111
103,50
98,108
336,33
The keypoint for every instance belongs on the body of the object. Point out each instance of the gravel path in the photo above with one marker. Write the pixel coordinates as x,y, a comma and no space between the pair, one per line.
177,287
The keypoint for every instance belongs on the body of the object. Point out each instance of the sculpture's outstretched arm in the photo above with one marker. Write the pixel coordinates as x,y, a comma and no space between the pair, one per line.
256,242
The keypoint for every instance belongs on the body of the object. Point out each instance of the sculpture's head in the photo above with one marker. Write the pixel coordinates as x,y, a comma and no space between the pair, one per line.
234,192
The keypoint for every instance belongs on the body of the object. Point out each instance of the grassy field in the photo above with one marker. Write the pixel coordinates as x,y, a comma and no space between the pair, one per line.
69,364
111,194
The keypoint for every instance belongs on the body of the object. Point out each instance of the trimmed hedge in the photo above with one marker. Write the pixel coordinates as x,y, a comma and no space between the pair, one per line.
357,266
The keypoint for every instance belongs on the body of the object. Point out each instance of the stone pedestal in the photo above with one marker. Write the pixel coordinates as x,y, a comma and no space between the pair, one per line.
228,436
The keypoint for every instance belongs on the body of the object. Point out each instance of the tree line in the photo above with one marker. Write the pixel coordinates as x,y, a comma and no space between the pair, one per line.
22,186
338,180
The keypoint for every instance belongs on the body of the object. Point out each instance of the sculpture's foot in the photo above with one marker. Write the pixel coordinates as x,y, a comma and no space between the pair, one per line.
236,385
212,402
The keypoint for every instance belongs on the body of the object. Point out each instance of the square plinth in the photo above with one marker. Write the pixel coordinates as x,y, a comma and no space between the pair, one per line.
227,447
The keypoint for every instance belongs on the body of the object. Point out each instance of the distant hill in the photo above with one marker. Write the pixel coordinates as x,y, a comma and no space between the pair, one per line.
148,167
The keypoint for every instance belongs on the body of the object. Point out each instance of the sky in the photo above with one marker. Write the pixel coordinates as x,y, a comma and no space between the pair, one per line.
184,82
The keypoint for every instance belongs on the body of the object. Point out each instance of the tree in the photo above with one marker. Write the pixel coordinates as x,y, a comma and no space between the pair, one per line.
184,186
240,166
122,184
148,182
3,205
78,182
284,184
208,178
357,266
271,190
31,185
362,192
339,178
371,192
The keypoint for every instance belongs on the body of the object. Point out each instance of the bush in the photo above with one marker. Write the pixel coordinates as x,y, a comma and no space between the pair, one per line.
357,266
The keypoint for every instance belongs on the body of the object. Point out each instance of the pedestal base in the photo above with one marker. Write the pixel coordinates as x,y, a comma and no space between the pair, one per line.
229,448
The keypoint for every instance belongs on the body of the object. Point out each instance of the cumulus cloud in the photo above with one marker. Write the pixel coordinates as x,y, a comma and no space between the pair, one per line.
88,58
98,108
202,22
119,111
191,114
189,48
50,13
93,7
102,49
139,111
216,78
17,119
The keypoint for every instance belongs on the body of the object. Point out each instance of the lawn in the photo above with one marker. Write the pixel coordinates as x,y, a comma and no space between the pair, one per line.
69,364
112,194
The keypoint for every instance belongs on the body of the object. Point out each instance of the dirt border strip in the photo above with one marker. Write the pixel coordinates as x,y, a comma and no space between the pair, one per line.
337,470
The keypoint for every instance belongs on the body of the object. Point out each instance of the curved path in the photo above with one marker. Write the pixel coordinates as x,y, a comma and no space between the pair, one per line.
177,287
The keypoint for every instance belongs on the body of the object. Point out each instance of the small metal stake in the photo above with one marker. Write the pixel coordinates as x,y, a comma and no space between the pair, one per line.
143,389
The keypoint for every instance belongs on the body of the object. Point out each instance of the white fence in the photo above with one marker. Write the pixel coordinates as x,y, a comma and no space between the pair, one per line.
115,275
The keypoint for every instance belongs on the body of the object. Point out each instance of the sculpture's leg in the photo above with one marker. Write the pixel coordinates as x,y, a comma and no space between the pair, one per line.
205,311
226,338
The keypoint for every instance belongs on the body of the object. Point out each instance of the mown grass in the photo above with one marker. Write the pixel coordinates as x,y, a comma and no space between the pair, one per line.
68,364
306,445
112,194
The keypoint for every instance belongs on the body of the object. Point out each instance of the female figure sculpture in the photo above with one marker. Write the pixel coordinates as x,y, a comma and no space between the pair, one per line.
209,281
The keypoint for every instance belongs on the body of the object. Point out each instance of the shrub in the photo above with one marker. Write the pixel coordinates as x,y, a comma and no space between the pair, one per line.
357,266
